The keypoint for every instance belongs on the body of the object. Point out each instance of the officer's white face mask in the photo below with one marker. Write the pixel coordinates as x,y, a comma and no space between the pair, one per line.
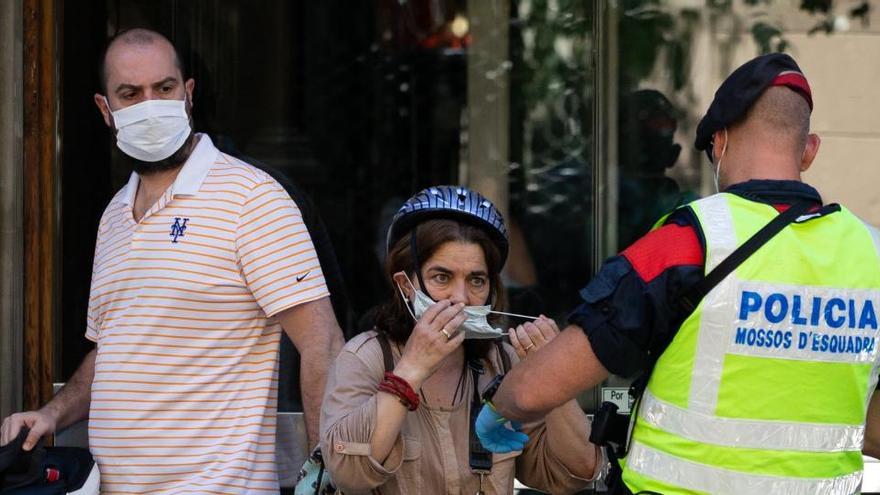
151,130
718,165
476,326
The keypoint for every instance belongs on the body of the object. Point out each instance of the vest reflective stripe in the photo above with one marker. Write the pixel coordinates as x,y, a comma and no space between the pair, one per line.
733,432
717,223
801,311
652,463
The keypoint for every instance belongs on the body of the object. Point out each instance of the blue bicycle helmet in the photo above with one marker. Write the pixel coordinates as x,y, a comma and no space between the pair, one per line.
454,203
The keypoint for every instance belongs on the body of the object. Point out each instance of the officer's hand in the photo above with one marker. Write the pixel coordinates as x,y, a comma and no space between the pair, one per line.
494,434
40,423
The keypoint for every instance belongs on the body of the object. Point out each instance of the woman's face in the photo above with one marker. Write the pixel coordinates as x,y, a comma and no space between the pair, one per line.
457,271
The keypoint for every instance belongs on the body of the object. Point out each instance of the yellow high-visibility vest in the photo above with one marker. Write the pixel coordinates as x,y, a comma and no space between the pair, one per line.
765,387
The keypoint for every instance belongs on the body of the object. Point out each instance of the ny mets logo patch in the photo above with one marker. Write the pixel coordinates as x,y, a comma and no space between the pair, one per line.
178,228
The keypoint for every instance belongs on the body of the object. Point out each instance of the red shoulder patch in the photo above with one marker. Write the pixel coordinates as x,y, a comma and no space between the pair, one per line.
663,248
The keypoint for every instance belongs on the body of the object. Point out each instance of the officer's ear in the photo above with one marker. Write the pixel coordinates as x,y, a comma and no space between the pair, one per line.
810,151
719,144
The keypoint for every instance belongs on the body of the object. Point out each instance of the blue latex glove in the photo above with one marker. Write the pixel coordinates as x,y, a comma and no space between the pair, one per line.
494,434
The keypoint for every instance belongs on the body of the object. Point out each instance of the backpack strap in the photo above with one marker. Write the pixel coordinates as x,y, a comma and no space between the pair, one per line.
387,357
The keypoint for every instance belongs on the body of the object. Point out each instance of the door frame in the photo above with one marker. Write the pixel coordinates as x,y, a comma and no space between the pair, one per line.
40,199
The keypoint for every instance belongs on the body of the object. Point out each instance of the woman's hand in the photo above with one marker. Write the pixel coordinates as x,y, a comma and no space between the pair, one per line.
532,335
434,337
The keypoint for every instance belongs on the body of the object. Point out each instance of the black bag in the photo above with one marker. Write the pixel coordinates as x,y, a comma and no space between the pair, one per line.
47,470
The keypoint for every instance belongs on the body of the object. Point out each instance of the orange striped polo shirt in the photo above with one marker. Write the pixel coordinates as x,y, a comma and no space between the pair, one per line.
184,396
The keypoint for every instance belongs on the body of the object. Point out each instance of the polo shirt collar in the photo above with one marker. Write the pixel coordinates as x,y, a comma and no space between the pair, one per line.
196,168
189,179
130,189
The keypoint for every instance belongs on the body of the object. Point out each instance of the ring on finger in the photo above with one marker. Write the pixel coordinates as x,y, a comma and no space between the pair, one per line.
526,348
446,333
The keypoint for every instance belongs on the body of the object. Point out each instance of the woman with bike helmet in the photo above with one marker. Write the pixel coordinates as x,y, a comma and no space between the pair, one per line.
401,399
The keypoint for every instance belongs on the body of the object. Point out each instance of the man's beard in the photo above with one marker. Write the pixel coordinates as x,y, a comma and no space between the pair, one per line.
176,159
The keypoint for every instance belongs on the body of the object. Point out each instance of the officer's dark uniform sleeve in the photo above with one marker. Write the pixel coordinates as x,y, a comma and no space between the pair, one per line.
627,310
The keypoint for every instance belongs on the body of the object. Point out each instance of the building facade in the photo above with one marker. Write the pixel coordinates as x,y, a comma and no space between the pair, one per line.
576,116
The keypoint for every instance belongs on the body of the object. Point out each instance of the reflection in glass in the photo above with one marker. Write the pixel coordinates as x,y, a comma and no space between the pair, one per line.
551,149
647,123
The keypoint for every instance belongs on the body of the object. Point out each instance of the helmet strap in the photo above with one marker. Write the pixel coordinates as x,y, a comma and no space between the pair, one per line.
413,247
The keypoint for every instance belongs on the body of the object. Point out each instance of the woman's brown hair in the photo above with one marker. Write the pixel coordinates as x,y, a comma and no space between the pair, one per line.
393,317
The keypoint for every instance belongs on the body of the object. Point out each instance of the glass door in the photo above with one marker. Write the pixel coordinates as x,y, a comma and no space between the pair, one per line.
359,105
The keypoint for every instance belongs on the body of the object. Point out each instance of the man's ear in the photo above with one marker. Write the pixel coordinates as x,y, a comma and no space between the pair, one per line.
810,151
189,86
101,102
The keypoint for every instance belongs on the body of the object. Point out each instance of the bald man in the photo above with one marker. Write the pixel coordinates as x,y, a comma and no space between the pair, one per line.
201,262
761,383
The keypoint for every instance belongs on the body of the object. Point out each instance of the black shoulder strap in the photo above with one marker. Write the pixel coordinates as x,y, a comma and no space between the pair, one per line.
691,299
386,350
505,359
479,458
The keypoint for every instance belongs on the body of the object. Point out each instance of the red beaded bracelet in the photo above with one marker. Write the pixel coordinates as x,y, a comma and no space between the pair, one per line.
400,388
399,394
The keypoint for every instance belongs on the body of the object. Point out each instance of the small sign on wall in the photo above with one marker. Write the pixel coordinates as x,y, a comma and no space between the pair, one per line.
619,396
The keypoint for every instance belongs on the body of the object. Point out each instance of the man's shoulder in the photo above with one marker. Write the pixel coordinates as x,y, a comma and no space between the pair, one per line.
233,167
251,184
259,173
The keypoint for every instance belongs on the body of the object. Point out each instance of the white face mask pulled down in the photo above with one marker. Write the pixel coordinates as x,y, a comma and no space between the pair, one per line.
476,326
151,130
718,165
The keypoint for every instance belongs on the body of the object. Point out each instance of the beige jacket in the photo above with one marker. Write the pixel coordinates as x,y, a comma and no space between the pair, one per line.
431,452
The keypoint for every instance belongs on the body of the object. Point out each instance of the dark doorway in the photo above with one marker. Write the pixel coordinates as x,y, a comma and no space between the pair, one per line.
336,97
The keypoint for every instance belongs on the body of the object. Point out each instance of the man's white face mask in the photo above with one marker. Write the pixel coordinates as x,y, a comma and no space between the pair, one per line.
151,130
476,326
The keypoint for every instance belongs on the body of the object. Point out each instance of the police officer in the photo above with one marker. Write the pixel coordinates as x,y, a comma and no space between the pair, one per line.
765,383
